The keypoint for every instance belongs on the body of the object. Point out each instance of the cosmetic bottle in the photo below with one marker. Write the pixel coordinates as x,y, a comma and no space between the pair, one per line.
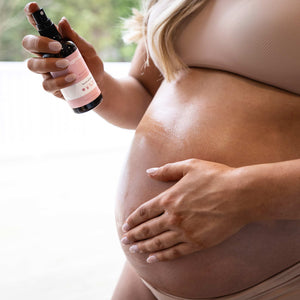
84,94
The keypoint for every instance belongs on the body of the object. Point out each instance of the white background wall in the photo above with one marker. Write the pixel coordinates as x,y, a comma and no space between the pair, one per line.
58,178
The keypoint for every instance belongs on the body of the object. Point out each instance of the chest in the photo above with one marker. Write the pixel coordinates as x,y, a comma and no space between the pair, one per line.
228,29
258,39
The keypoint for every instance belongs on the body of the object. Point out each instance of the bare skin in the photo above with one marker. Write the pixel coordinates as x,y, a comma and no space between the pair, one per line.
207,114
224,118
130,286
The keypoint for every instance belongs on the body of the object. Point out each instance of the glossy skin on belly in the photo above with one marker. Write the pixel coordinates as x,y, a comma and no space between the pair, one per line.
221,117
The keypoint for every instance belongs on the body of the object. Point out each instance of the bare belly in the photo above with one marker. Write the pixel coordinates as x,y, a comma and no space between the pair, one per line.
221,117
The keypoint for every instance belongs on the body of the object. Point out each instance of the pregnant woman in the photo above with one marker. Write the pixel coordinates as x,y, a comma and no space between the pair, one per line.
209,202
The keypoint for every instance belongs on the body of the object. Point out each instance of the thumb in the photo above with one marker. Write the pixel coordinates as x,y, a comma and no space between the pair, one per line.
169,172
69,33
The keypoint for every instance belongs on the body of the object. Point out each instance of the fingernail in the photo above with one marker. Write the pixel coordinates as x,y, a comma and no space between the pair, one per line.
62,63
152,259
54,46
62,19
27,6
125,240
125,227
70,77
152,170
134,249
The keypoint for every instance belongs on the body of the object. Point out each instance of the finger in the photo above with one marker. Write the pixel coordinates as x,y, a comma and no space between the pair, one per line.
159,242
172,253
171,171
46,65
146,230
144,212
47,76
40,44
56,93
54,84
29,9
69,33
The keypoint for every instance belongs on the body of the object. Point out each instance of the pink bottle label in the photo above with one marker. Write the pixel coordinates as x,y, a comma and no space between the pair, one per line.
85,89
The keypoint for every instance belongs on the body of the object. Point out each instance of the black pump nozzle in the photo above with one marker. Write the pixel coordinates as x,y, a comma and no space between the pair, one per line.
45,26
40,19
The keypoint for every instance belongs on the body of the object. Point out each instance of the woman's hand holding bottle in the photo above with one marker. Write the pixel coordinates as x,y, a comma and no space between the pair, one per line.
40,45
125,99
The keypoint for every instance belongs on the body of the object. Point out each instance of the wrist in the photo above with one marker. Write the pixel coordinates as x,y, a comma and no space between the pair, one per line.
251,192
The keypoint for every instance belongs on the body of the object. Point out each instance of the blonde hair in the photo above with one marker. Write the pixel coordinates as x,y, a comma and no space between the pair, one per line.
159,34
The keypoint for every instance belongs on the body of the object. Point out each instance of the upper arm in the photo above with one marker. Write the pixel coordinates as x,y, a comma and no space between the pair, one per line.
148,76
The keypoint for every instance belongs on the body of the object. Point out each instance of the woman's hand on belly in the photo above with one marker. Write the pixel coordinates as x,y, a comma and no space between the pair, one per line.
201,210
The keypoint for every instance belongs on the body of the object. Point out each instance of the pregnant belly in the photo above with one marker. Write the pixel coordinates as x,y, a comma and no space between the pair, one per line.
176,128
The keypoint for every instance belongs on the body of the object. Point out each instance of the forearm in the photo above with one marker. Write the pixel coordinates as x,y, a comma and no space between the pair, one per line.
272,190
124,101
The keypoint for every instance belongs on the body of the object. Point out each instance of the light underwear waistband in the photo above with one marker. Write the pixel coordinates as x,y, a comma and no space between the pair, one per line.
282,286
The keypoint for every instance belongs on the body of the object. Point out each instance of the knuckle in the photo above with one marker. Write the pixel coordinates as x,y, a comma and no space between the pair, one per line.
175,219
43,64
90,46
130,222
166,200
191,162
142,211
142,248
145,230
37,43
91,50
158,243
167,167
200,244
76,36
175,253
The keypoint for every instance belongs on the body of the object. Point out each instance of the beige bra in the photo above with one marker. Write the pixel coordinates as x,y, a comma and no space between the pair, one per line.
258,39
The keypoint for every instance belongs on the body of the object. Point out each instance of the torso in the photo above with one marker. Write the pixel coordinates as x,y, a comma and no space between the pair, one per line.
223,117
258,39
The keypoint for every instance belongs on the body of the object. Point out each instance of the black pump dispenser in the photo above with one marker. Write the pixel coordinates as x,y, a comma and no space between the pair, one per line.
45,26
